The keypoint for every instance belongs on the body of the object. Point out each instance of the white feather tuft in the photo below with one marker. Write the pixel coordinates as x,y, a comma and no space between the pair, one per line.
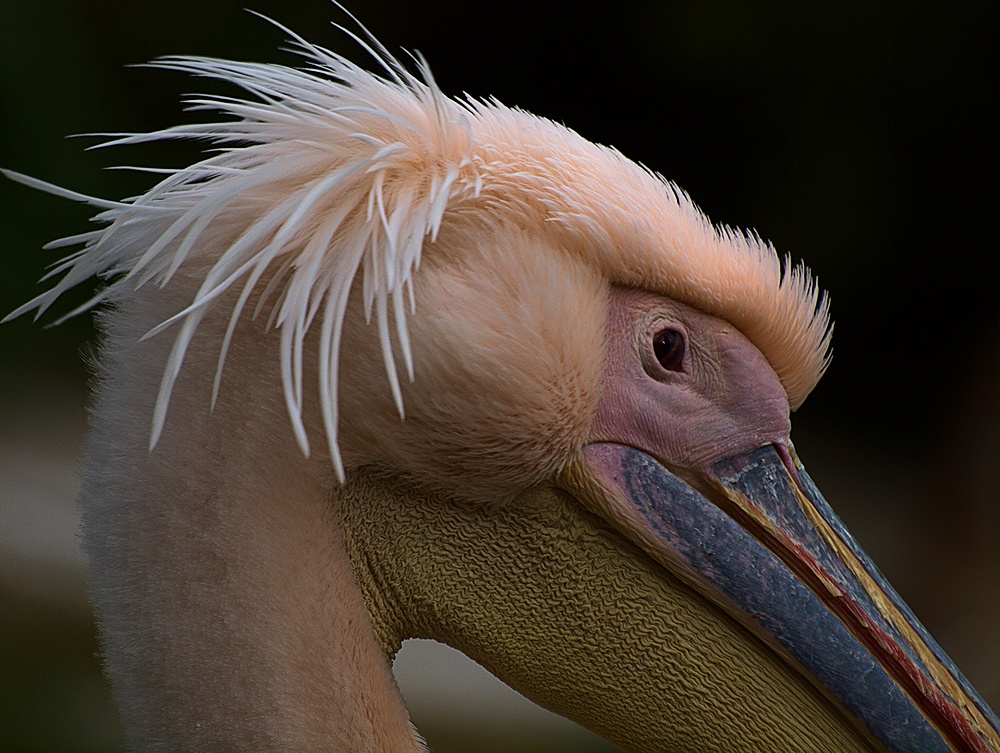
332,148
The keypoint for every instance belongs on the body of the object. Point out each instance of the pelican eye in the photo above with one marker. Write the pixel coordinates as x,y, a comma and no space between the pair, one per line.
668,347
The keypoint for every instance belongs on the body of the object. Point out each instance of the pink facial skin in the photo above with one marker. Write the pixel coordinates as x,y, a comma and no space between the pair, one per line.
720,399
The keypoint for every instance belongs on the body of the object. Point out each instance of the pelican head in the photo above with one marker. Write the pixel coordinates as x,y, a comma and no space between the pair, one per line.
389,364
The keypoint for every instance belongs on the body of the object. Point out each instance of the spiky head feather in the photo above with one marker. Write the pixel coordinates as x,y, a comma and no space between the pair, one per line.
331,176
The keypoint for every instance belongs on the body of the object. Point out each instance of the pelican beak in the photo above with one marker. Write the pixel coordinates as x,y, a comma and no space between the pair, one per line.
757,538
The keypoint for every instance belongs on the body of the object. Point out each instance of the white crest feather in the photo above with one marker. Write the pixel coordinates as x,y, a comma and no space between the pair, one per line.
339,142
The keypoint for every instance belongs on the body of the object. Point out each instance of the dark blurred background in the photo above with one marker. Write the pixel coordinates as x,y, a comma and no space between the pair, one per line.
858,136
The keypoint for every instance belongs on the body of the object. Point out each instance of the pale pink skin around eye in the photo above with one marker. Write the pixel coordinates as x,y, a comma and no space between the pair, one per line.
724,399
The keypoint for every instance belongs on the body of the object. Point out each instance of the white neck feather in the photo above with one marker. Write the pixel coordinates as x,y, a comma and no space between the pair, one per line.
240,626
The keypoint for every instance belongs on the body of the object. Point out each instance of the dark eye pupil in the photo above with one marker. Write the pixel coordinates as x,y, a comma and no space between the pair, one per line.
668,347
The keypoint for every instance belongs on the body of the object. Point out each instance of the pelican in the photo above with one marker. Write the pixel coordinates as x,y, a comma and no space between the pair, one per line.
389,364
